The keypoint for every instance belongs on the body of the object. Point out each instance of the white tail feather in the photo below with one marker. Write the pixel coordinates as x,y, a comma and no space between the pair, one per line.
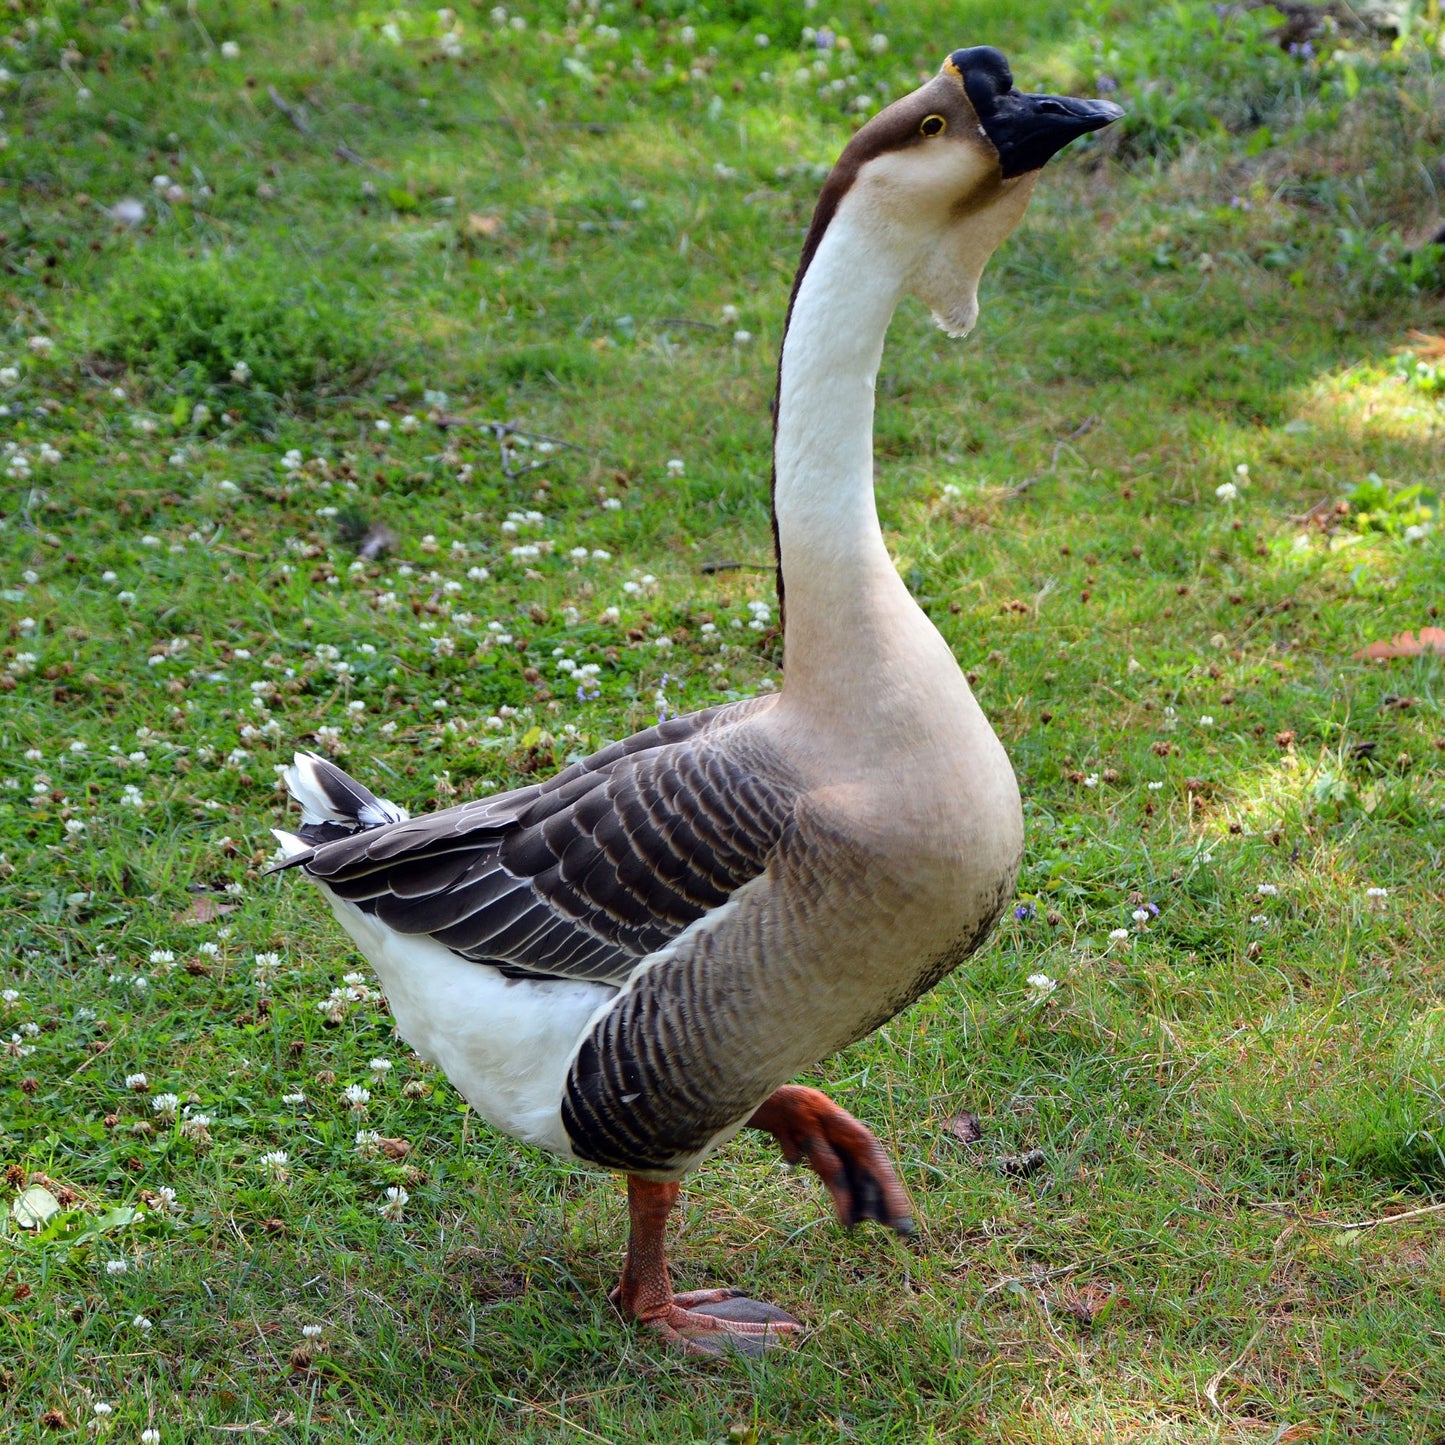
291,845
327,795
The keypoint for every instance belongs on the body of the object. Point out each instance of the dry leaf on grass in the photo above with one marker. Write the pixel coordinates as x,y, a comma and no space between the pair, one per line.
1425,345
1407,644
205,909
965,1127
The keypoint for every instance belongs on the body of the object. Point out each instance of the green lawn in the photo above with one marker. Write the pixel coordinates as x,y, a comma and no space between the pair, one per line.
283,284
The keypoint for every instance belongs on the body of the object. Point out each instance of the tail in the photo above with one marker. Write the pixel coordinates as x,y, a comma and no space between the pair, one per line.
332,806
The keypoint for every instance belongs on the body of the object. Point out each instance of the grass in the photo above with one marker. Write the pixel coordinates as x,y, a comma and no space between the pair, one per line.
548,231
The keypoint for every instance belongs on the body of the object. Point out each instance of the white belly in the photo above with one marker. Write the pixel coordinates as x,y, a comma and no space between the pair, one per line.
506,1044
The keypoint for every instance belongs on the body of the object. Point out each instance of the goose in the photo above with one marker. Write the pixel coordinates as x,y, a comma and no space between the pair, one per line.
626,964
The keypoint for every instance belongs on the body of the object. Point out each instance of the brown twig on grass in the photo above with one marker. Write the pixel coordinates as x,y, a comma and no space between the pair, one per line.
1085,426
294,113
1325,1222
732,565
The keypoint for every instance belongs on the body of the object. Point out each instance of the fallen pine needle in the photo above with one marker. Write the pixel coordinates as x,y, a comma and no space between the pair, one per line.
1212,1387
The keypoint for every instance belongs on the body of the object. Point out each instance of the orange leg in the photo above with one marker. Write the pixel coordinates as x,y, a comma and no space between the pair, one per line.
707,1322
849,1160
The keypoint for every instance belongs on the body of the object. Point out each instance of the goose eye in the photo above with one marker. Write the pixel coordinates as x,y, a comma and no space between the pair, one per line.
933,125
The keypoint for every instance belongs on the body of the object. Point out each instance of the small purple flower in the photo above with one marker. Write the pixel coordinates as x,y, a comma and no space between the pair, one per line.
584,695
1024,912
1238,203
1106,84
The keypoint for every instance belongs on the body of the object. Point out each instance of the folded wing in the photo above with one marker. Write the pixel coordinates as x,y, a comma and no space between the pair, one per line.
580,876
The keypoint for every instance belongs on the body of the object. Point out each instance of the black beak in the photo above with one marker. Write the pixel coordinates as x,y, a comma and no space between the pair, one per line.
1027,129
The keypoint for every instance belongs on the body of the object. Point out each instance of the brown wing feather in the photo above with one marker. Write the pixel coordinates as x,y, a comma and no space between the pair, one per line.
581,875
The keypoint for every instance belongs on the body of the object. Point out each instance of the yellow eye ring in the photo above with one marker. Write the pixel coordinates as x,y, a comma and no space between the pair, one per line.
933,125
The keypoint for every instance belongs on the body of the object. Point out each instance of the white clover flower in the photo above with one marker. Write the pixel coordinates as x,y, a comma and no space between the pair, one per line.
41,345
1118,935
196,1127
312,1332
368,1141
1266,890
137,1083
380,1068
230,50
150,1437
274,1161
293,1099
1042,985
141,1323
1141,916
356,1097
333,1007
166,1198
742,337
1377,893
396,1201
382,425
165,1105
116,1266
74,827
676,467
1226,491
1207,721
101,1408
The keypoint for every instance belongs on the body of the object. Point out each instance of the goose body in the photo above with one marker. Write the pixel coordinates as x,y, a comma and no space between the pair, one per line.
625,964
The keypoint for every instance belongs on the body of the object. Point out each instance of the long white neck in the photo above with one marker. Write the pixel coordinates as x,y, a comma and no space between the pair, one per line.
848,615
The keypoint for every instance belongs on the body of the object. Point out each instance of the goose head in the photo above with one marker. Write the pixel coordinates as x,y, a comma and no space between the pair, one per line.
938,179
